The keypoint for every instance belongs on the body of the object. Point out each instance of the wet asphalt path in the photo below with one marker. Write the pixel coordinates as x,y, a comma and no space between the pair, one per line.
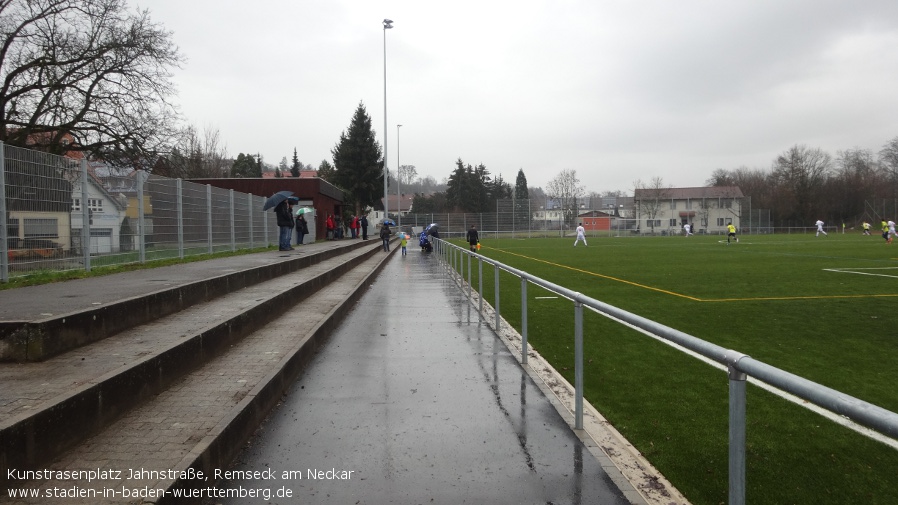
413,400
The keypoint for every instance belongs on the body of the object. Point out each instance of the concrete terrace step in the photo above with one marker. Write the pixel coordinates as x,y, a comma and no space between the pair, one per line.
49,406
88,310
202,420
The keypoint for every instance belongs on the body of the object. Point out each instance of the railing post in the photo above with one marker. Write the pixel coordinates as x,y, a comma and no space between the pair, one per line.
470,259
180,200
496,277
524,320
4,221
265,228
249,208
141,209
453,268
233,211
451,262
737,382
480,284
578,364
85,214
209,219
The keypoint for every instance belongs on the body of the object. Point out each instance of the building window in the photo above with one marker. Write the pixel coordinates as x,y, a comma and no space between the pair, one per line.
704,221
651,223
41,228
673,222
94,204
673,205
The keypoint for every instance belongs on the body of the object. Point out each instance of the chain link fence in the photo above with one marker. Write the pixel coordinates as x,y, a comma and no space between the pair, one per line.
57,213
511,221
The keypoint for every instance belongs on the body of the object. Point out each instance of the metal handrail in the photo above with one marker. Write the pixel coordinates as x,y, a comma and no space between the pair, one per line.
739,365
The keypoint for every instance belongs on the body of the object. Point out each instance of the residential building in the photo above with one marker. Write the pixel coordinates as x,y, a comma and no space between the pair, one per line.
707,209
595,220
106,214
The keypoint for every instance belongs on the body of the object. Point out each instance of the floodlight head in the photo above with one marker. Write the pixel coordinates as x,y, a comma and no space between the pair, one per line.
388,23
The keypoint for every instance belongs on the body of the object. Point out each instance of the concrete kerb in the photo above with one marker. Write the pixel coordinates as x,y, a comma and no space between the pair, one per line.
39,340
219,448
29,440
641,482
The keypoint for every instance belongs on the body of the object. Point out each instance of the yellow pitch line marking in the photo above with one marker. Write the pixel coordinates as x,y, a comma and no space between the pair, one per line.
695,299
568,267
780,298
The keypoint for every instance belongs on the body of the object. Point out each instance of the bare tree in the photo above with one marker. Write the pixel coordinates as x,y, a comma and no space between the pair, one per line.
407,174
566,189
800,173
90,70
856,163
888,157
855,180
721,177
196,156
648,199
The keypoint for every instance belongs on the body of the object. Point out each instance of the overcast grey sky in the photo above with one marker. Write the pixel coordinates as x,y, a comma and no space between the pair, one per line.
616,90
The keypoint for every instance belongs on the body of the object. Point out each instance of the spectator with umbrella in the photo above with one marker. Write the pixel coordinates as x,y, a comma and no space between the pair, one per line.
275,199
424,242
302,227
385,235
284,217
284,213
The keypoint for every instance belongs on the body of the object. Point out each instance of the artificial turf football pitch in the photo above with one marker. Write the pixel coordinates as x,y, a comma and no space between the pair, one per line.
822,308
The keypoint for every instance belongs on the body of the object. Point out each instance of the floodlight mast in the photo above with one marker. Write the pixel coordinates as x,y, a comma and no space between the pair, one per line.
398,181
388,24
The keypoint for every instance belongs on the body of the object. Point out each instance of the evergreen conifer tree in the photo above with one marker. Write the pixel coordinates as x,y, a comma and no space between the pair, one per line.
358,162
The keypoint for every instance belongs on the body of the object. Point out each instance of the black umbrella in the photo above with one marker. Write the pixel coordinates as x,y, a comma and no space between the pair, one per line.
276,199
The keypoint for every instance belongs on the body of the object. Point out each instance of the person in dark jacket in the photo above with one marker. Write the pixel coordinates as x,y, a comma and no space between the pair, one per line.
473,238
385,236
284,213
364,224
302,229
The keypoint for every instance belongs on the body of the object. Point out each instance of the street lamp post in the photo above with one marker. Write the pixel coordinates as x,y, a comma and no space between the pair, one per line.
398,181
388,24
